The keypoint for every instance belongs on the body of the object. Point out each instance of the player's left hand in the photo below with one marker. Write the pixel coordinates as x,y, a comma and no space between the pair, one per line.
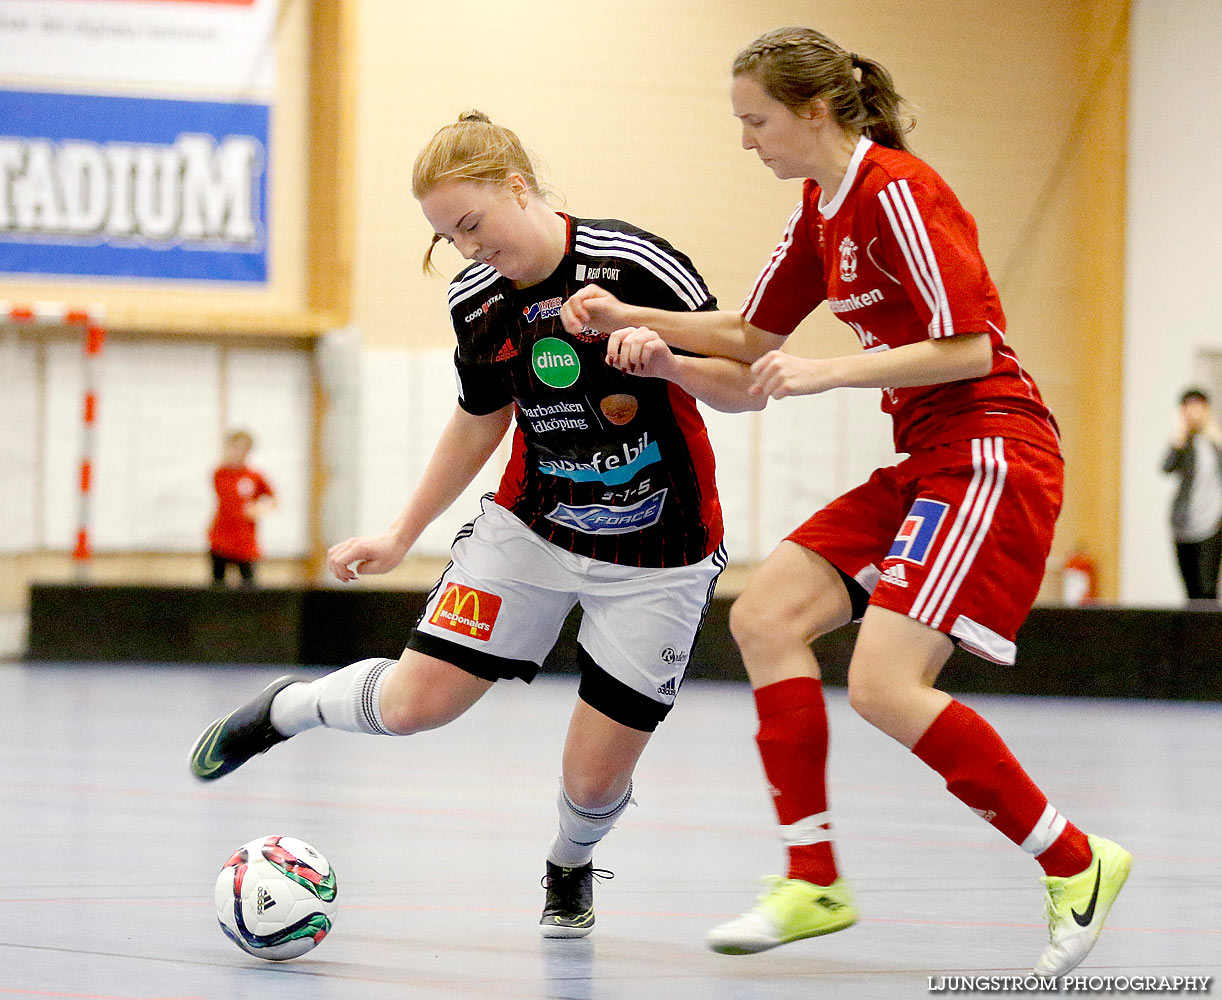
638,350
778,375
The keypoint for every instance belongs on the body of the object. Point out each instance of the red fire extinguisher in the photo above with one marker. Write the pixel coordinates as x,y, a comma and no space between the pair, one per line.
1080,579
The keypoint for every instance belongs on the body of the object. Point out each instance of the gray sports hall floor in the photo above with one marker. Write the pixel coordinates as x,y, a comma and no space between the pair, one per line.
110,849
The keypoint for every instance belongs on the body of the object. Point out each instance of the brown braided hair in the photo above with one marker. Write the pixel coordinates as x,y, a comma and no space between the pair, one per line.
798,65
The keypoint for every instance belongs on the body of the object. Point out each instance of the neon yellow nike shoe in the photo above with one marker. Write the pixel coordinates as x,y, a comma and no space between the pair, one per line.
788,910
1077,906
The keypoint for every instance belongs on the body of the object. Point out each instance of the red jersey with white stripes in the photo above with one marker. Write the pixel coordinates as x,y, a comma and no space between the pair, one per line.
896,256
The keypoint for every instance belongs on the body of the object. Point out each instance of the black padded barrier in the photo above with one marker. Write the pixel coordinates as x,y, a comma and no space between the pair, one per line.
1108,652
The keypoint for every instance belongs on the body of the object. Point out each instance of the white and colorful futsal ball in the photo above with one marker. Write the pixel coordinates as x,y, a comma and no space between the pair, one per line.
275,898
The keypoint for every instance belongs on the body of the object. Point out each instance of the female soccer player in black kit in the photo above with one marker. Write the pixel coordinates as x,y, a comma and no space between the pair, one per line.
608,500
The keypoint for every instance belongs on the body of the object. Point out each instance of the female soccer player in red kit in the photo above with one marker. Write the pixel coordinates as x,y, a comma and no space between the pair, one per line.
947,547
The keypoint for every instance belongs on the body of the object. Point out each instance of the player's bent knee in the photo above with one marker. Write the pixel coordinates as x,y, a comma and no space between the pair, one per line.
764,624
756,623
405,721
870,699
593,790
417,714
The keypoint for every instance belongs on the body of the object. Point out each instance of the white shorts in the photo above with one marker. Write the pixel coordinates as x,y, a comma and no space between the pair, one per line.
497,610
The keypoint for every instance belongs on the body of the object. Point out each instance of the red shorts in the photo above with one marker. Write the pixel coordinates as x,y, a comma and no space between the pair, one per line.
956,536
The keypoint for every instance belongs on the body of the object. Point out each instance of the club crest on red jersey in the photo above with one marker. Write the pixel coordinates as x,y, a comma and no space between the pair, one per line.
848,259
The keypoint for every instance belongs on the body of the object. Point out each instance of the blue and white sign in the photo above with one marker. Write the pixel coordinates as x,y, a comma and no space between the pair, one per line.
133,187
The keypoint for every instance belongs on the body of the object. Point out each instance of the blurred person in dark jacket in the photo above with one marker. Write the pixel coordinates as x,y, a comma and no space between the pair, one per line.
1195,455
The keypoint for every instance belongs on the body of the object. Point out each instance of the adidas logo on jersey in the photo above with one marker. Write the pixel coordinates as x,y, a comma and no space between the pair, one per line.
507,352
667,689
895,575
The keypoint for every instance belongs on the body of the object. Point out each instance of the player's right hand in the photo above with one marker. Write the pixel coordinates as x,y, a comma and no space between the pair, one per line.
365,554
593,308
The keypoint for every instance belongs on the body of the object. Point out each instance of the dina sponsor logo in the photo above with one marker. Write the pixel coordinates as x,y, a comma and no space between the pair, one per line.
555,363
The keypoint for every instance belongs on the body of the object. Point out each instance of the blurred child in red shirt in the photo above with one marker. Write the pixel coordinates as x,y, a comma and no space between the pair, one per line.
242,496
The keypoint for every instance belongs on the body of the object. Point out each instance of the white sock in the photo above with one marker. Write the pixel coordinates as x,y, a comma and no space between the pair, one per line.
346,699
581,828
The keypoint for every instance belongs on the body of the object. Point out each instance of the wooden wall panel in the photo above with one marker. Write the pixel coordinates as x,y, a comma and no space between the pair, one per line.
1019,104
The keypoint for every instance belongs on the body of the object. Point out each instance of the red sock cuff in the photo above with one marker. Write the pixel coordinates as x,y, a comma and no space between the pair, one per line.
786,695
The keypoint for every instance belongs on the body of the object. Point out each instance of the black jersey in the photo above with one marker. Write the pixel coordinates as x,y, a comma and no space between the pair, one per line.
604,464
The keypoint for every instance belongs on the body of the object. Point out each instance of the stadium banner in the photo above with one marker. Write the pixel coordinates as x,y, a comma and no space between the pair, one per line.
217,48
133,187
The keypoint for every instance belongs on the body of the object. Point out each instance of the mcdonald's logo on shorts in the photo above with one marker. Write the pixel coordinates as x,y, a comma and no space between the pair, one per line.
467,611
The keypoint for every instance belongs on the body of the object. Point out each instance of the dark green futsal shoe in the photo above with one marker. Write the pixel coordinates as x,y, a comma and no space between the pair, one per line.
569,908
232,740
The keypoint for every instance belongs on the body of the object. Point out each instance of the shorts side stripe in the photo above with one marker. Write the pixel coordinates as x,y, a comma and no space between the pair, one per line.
983,529
952,537
973,519
982,451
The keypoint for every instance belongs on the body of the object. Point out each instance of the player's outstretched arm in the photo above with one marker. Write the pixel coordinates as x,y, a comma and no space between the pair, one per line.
720,382
931,362
716,332
467,442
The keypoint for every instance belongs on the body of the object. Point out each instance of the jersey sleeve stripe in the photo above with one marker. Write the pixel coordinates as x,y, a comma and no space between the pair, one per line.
679,287
901,228
473,284
761,283
948,327
604,237
606,243
913,241
675,280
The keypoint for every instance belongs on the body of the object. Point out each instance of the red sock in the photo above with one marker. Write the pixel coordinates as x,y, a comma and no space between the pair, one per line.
792,741
981,772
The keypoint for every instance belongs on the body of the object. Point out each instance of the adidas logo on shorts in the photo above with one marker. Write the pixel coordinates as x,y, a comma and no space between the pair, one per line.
895,576
668,688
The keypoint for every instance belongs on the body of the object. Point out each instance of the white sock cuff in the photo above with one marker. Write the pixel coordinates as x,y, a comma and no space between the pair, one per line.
348,698
1045,832
367,696
598,814
581,828
814,829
